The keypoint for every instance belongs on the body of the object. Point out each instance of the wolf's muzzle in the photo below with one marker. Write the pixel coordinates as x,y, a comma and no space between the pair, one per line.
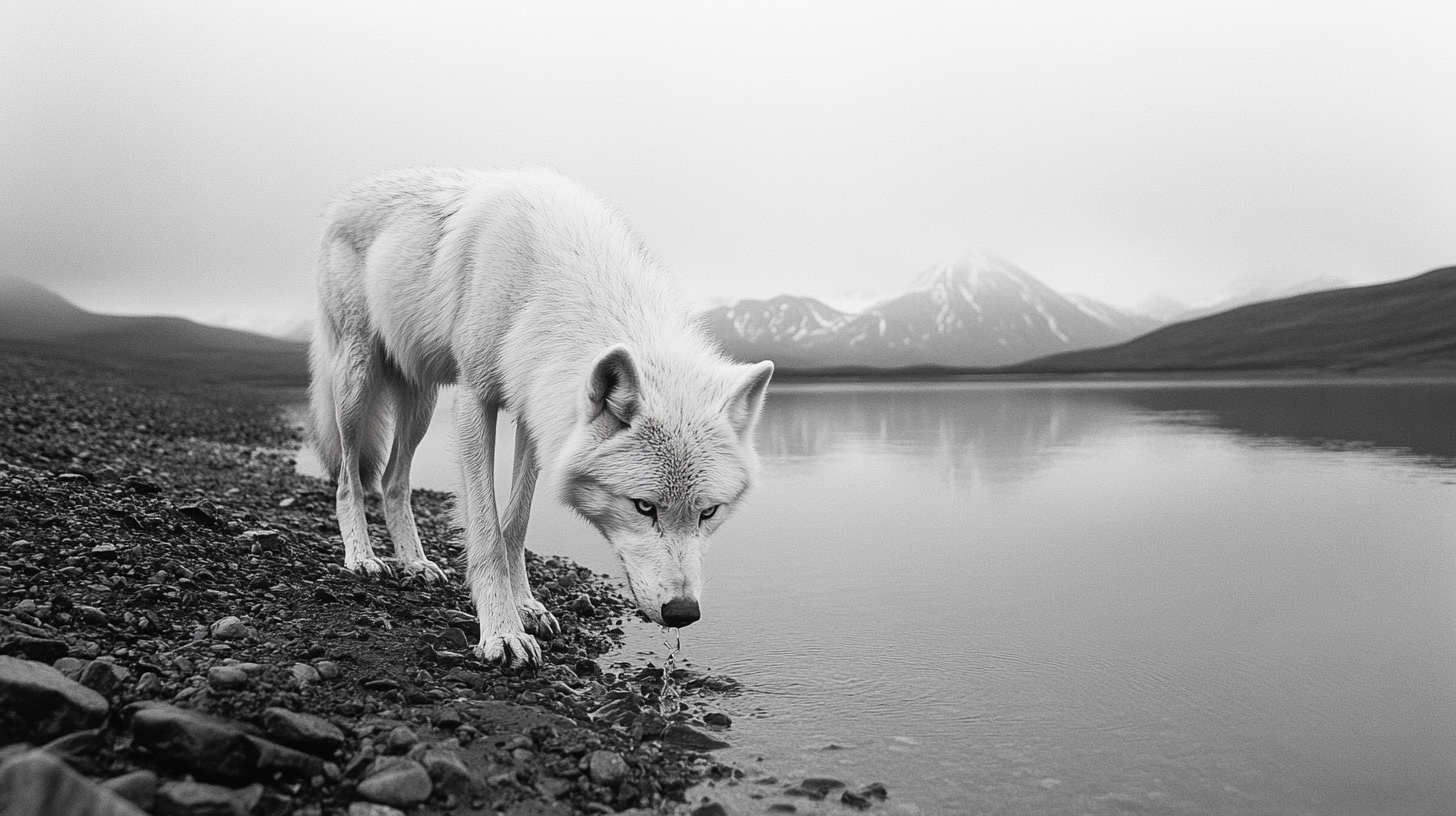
679,612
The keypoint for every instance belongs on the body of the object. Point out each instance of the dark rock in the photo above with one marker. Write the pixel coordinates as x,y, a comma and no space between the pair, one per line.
689,737
201,799
37,783
199,514
304,731
402,784
875,791
718,720
42,650
275,757
454,638
820,785
710,809
102,677
448,719
855,800
38,703
782,807
607,767
208,748
137,787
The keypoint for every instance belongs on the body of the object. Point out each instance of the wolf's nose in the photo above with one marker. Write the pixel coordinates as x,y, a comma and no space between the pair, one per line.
679,612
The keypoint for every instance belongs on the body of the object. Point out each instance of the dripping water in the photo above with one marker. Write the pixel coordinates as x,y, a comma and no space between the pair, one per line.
669,703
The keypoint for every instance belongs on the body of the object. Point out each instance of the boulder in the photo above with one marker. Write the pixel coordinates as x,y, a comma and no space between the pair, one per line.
38,703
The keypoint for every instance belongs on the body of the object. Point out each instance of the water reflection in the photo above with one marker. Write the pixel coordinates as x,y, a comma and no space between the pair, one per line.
965,430
1006,431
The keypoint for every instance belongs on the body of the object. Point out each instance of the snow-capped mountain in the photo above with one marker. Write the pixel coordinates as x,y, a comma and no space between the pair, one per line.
974,311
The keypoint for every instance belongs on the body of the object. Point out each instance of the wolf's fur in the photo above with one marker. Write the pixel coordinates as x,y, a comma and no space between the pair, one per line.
536,298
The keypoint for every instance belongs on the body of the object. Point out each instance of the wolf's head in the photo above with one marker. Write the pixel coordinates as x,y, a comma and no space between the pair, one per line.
659,459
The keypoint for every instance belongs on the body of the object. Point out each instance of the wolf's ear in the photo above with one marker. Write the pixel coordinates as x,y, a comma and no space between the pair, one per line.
747,398
614,387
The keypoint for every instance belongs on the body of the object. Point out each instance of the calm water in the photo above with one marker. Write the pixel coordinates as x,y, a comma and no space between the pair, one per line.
1061,599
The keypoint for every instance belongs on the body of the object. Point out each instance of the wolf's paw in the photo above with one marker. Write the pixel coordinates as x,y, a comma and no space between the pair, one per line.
513,649
369,566
423,569
537,620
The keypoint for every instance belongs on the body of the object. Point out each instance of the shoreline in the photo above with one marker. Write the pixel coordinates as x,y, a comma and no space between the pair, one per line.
157,545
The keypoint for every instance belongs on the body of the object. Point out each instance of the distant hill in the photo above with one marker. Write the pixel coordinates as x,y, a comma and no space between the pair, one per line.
36,320
1408,323
976,311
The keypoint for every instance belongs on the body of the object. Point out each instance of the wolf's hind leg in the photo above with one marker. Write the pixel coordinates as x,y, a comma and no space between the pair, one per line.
357,383
502,636
534,616
413,407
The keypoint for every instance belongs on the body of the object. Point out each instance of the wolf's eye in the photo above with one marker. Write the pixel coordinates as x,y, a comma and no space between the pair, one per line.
709,513
645,507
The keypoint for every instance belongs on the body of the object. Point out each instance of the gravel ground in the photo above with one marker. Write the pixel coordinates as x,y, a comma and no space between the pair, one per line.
157,548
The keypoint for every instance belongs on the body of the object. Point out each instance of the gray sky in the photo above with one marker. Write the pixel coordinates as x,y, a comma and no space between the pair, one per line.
176,157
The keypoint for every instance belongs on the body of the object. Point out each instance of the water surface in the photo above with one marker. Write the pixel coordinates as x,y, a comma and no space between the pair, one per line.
1048,598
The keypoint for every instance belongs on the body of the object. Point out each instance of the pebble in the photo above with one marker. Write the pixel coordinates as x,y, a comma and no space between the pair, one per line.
229,628
402,738
402,784
327,669
304,674
227,677
373,809
607,767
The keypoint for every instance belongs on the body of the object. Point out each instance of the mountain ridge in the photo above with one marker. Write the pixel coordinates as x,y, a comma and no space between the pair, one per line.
973,311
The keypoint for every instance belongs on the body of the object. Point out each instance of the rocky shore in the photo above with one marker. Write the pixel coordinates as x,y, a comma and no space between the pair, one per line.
177,637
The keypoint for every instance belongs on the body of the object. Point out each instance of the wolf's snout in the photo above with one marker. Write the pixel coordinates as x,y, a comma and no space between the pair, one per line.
679,612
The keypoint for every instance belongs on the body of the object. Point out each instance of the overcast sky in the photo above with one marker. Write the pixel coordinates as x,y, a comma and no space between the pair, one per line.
176,157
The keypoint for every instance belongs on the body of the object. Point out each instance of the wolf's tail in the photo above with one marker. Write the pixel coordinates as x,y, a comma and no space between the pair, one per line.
324,428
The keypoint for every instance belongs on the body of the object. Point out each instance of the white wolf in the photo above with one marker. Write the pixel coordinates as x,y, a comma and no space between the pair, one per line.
536,298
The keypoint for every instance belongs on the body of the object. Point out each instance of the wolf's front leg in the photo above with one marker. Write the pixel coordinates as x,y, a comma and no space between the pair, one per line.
502,637
534,616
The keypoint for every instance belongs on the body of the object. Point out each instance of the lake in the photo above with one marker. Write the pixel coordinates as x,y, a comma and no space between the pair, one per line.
1189,597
